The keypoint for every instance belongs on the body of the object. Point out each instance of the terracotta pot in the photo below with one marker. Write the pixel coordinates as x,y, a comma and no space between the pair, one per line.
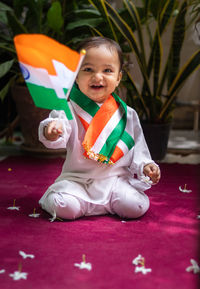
30,116
157,136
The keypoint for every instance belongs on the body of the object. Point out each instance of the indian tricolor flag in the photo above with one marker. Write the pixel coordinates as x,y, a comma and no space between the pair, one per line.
106,138
49,69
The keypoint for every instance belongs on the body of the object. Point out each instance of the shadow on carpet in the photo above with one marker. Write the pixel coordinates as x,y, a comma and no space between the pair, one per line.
167,236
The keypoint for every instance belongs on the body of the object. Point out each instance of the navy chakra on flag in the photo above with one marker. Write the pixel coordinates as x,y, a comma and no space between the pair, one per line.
24,71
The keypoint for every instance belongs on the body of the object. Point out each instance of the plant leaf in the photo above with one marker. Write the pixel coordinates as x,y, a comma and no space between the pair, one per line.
5,89
192,64
5,67
54,16
157,64
136,20
16,26
84,22
178,34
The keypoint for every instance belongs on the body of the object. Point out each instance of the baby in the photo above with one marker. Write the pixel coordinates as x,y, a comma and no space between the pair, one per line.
107,161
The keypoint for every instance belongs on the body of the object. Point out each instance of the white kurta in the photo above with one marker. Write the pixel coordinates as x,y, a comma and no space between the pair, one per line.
88,179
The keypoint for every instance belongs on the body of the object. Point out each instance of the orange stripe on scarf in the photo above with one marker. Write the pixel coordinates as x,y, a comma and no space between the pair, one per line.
98,122
117,154
84,123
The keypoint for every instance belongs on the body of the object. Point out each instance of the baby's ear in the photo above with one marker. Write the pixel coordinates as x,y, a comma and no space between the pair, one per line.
119,76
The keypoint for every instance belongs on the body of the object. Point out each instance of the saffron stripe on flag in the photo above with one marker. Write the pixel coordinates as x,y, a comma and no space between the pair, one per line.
38,50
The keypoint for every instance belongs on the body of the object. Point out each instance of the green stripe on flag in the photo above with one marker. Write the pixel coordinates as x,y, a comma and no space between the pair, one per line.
83,101
47,98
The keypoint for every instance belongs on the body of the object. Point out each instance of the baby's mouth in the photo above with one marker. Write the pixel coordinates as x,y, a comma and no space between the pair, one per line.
96,86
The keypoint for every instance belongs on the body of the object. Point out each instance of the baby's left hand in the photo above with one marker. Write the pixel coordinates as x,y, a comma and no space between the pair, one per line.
153,172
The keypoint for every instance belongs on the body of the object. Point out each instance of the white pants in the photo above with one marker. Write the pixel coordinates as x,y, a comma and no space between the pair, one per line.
125,201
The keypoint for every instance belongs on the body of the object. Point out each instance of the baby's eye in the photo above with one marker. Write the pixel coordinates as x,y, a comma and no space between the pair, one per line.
87,69
107,70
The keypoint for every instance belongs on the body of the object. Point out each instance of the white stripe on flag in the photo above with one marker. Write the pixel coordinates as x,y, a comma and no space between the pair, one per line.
38,76
82,113
65,75
107,130
64,78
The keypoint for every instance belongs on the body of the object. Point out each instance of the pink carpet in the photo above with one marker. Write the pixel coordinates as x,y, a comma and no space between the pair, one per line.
167,236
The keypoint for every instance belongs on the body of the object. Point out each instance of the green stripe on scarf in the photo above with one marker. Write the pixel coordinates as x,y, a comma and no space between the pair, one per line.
127,139
83,101
111,142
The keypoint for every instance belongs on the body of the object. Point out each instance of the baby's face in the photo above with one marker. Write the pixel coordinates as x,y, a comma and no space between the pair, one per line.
100,73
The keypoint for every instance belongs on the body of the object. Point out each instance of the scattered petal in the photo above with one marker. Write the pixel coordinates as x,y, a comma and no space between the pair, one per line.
146,180
52,219
17,275
84,265
34,215
9,169
55,218
123,221
195,267
138,260
184,190
13,208
24,255
198,217
2,271
139,263
142,269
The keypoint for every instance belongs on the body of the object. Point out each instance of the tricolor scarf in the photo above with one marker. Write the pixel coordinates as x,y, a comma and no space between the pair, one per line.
106,139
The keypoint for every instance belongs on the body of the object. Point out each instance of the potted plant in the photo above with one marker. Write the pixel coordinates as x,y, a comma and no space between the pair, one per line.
32,16
140,30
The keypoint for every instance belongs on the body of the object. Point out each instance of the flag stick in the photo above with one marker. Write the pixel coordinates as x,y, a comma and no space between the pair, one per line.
82,56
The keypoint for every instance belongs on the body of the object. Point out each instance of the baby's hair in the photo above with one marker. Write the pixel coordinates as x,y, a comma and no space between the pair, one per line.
97,41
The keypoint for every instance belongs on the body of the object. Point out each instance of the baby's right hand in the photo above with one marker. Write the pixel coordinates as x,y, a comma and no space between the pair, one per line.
53,130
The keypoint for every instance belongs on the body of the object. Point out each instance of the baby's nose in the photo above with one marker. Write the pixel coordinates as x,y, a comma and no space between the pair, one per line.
97,76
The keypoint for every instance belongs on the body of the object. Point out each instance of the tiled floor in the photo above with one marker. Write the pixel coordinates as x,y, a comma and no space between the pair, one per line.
183,147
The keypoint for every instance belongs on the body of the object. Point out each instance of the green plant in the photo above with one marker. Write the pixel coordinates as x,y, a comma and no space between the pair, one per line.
34,16
142,29
49,17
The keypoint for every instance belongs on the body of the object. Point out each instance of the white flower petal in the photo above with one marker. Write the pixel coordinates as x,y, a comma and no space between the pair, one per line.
13,208
184,190
34,215
195,267
18,275
84,265
24,255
